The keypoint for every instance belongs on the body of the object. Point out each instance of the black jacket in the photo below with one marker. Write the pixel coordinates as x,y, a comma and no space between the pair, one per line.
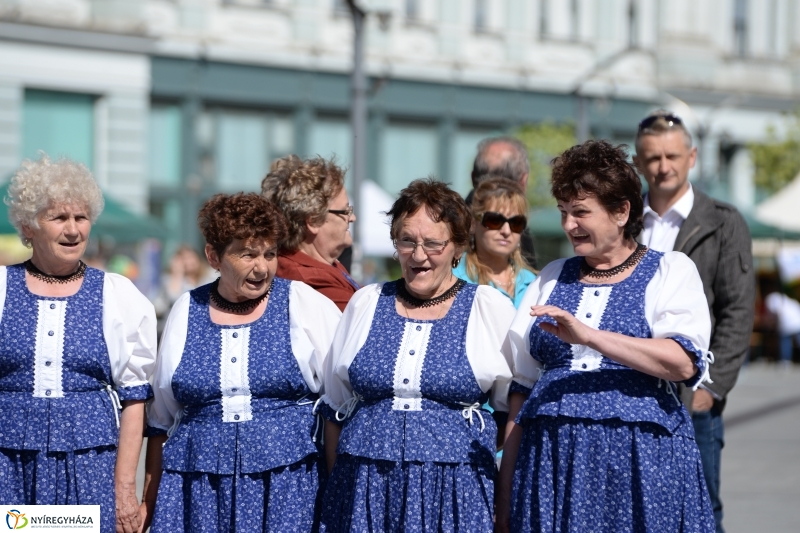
715,236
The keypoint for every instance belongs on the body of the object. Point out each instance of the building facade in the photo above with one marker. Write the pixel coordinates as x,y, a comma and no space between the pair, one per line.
170,101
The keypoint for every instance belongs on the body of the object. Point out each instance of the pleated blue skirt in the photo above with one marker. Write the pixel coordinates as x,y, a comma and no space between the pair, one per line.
366,495
276,501
84,477
579,475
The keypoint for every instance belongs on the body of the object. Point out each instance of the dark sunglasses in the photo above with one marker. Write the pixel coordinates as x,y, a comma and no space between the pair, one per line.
492,220
672,120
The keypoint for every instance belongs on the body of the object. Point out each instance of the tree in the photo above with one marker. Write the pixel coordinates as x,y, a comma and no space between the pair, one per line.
777,161
544,141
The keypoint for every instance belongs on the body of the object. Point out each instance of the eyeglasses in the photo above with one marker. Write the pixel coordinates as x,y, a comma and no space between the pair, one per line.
347,211
669,118
430,247
492,220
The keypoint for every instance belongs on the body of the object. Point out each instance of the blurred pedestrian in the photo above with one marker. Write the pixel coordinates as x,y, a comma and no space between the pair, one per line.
76,346
186,271
312,196
410,366
716,238
787,311
597,439
234,442
494,256
504,157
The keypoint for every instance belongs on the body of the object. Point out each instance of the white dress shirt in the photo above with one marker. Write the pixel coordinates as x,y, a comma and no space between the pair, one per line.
660,233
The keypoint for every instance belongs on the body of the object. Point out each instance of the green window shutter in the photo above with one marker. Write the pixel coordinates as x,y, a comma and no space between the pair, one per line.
61,124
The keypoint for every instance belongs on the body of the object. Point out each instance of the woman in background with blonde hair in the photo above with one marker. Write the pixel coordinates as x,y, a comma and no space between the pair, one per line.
494,257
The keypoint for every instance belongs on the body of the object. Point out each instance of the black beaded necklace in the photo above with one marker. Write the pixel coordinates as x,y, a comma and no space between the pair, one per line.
403,294
236,307
632,260
51,278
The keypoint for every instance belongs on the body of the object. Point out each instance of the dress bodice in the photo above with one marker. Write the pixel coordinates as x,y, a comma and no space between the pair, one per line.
418,398
246,405
577,381
55,375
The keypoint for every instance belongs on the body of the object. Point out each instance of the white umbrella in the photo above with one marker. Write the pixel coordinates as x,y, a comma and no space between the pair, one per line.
782,209
373,225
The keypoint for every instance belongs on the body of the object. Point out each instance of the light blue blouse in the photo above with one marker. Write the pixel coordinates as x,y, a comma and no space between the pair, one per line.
524,278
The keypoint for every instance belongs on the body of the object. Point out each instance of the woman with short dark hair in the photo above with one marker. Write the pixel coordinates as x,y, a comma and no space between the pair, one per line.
597,437
411,364
239,369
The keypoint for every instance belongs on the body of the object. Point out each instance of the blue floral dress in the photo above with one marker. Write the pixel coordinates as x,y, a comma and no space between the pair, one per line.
416,453
243,447
61,381
606,448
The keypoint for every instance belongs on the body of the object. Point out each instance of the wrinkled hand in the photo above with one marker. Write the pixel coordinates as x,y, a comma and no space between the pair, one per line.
128,518
702,401
567,328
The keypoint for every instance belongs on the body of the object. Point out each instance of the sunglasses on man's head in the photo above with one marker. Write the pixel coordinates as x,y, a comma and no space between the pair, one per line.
669,118
492,220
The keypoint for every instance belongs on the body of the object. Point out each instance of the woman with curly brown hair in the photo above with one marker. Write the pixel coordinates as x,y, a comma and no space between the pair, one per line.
239,370
597,438
312,196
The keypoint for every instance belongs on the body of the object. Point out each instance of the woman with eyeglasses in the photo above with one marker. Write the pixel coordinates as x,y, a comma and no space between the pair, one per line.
312,196
411,364
494,257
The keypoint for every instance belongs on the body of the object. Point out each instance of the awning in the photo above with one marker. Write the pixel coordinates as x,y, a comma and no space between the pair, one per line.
782,209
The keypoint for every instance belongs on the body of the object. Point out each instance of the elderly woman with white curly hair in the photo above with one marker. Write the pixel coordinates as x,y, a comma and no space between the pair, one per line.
76,348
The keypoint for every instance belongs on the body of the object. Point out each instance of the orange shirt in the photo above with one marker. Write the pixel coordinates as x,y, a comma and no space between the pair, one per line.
331,280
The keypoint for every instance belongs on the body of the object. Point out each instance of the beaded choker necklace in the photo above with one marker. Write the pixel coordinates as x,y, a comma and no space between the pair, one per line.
632,259
236,307
407,297
50,278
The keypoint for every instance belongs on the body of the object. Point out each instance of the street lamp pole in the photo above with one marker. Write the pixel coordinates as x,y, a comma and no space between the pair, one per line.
358,124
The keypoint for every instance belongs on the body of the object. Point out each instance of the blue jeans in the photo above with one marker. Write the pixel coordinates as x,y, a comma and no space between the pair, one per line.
787,348
709,434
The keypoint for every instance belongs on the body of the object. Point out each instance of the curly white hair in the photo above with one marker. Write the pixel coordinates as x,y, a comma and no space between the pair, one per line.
38,185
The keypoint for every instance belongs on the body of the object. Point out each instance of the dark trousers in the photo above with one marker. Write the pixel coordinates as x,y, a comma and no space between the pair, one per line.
709,433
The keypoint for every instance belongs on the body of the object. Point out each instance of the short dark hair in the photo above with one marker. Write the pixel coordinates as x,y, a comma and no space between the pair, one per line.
225,218
601,170
513,168
441,203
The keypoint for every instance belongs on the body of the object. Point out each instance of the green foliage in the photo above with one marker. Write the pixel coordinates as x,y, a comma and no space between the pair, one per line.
545,141
777,161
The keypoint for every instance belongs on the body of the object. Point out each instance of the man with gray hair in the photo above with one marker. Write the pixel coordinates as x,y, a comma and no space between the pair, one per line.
715,236
504,157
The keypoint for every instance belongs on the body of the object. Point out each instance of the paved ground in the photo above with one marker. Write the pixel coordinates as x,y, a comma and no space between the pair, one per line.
761,458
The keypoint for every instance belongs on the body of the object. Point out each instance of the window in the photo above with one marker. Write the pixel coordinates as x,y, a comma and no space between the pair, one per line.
332,138
740,27
61,124
407,152
245,144
544,19
633,24
164,140
481,15
574,20
412,10
463,150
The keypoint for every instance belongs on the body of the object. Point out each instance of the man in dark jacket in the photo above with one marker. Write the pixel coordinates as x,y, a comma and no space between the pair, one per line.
715,236
504,157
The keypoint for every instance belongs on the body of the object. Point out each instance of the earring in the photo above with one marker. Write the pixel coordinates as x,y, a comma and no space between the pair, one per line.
620,223
395,256
456,261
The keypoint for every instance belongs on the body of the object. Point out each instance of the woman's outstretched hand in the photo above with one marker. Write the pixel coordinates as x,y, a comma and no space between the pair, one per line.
567,328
